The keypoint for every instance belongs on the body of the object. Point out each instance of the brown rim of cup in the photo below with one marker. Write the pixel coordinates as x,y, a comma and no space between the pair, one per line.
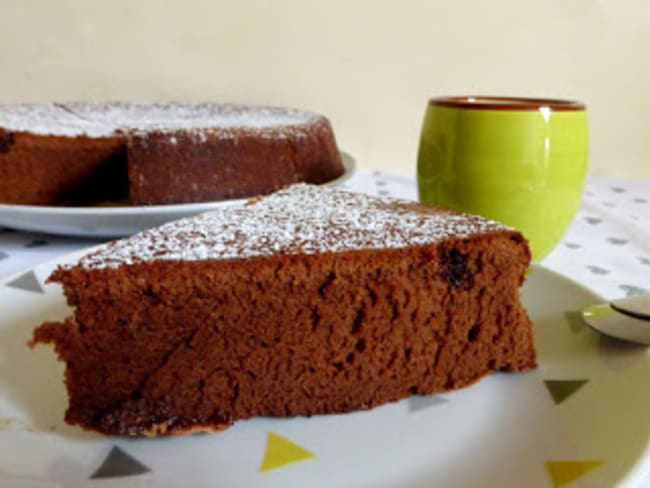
507,103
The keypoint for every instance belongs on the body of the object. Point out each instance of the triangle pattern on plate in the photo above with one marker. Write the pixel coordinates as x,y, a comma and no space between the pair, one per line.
281,451
575,320
27,282
422,402
564,472
117,464
560,390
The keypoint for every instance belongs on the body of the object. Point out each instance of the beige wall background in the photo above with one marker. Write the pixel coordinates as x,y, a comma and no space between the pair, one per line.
368,65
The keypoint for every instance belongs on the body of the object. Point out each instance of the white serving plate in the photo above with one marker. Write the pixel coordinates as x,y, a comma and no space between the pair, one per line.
118,221
580,420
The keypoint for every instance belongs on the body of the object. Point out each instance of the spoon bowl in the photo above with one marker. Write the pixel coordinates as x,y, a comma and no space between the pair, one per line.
627,319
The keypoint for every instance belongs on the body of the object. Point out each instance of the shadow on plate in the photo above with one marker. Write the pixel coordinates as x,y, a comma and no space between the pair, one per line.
31,382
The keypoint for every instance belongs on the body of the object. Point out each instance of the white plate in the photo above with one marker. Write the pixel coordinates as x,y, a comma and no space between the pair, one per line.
108,222
506,431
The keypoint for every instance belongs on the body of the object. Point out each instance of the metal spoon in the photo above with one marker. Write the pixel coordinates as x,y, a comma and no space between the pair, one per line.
624,318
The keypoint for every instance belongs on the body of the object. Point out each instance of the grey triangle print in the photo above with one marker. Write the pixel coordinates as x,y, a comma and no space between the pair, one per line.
633,291
597,269
572,245
617,241
37,243
118,464
27,282
422,402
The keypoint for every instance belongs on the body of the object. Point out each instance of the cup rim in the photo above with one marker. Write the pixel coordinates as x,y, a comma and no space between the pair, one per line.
482,102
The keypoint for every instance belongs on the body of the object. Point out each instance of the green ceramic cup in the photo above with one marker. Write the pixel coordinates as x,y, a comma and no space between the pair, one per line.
519,161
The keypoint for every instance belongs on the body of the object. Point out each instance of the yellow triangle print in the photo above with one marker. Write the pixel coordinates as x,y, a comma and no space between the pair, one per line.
281,451
564,472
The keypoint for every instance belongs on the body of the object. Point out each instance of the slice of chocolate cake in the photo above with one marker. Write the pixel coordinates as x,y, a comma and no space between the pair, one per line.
304,302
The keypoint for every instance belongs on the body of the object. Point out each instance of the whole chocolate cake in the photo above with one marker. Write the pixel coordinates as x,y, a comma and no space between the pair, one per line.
150,153
304,302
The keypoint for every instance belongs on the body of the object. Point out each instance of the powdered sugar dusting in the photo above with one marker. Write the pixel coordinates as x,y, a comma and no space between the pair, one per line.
48,119
174,116
99,119
301,219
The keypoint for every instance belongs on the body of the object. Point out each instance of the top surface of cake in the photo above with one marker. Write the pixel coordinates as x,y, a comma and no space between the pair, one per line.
300,219
47,119
100,119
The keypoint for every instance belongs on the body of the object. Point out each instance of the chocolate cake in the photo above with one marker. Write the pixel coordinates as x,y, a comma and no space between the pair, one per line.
152,153
307,301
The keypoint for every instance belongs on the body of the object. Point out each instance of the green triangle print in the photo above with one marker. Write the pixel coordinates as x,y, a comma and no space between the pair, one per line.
575,320
117,464
560,390
26,282
564,472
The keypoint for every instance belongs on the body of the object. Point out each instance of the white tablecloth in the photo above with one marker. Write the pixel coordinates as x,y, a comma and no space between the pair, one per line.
607,248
